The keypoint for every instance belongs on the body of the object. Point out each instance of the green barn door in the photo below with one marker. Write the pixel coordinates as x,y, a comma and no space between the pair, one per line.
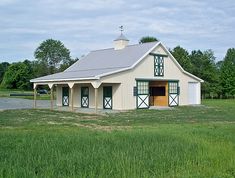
107,97
142,97
173,92
65,96
84,97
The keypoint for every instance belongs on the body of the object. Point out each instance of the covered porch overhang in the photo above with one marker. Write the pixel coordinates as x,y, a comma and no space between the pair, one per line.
71,85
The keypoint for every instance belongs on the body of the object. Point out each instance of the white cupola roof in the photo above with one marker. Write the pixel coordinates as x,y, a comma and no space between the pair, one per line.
121,42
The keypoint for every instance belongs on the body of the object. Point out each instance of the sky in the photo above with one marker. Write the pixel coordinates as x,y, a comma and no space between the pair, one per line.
85,25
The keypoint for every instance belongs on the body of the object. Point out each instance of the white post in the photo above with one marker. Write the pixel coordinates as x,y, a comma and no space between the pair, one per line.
96,85
96,99
52,98
72,106
35,96
52,95
71,85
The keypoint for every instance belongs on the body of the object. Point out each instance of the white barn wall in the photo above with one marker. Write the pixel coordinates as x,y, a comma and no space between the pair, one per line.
123,92
117,93
59,95
145,69
77,96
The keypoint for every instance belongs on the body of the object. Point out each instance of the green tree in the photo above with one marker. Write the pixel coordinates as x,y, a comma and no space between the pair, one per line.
204,66
17,76
147,39
3,68
182,56
39,69
227,75
67,64
51,54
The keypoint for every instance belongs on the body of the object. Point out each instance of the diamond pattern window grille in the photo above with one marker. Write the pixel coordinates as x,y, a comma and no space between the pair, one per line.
158,65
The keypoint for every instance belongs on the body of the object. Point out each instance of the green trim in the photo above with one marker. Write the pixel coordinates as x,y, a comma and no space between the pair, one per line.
110,88
178,89
158,66
83,95
65,92
154,79
157,54
177,93
137,96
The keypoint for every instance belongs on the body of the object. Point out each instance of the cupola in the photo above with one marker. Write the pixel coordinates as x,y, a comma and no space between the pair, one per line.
121,42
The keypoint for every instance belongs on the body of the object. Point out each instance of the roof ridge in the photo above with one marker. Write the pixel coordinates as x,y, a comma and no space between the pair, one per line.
126,46
142,43
97,69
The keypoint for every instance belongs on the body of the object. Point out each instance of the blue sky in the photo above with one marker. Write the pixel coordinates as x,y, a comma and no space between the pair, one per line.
93,24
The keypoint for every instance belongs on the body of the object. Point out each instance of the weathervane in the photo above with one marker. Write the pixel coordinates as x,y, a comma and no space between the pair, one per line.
121,29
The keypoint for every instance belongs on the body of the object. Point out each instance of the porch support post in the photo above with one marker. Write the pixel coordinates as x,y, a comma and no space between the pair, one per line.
96,99
71,86
35,96
96,85
52,95
72,106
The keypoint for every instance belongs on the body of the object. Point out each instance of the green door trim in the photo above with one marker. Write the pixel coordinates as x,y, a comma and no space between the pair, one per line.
107,97
85,97
65,96
173,96
142,97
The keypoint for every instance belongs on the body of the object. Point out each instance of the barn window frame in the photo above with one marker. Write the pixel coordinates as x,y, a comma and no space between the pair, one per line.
159,64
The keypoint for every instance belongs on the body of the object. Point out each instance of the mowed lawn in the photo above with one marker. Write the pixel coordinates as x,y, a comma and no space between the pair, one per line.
183,142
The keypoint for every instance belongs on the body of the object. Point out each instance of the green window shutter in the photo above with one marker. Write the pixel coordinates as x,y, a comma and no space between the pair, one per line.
178,90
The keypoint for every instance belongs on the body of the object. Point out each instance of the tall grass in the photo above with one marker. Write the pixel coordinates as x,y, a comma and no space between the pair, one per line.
41,143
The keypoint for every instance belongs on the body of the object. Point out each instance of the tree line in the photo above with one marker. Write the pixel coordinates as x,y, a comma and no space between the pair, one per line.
219,77
52,56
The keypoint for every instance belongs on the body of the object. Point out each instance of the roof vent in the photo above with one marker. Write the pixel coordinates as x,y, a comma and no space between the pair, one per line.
121,42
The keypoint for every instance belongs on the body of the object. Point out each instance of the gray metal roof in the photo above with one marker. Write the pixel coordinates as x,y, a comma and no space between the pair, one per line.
101,62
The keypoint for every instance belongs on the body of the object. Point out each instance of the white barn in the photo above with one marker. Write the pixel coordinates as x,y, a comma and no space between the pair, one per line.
124,77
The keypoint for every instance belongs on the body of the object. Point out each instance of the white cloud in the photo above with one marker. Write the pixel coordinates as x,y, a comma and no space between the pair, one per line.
91,24
7,2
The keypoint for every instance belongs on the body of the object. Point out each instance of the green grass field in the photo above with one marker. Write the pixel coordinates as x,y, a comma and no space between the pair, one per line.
184,142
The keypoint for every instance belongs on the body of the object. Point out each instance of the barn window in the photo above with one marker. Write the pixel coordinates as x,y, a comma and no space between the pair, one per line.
143,87
158,65
173,87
